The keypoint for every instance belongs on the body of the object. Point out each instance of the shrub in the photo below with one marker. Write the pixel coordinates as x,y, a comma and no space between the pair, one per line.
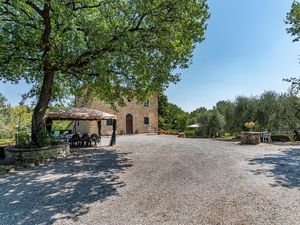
44,138
280,138
23,140
190,133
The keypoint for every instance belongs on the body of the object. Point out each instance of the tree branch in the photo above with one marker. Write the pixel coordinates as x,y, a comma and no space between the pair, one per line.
137,26
73,7
87,7
35,7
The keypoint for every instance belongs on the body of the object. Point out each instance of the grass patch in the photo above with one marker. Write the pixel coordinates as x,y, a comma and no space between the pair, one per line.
227,137
5,141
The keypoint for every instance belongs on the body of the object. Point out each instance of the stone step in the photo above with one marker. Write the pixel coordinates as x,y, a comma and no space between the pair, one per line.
152,131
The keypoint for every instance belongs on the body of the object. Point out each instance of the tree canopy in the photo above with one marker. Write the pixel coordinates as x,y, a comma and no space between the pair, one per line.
293,20
110,46
2,101
170,116
272,112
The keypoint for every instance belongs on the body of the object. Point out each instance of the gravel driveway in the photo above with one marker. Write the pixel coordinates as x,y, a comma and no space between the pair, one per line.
159,180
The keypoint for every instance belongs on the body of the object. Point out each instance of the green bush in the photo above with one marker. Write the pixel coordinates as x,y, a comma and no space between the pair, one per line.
23,140
280,138
44,139
190,133
200,132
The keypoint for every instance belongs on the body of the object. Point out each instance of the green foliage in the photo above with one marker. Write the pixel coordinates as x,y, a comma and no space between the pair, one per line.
13,119
226,108
215,124
44,138
197,112
2,101
162,110
244,111
190,133
293,19
23,140
272,112
113,46
108,47
18,119
3,116
61,124
211,122
176,118
171,117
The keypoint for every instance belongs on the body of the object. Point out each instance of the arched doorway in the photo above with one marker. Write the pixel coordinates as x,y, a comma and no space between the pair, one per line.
129,124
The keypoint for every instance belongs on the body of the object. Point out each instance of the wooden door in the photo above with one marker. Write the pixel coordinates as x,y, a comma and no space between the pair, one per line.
129,124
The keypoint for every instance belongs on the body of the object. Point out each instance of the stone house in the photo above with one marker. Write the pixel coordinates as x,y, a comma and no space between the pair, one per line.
135,117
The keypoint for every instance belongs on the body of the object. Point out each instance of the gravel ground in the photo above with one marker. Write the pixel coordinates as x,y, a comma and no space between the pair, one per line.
159,180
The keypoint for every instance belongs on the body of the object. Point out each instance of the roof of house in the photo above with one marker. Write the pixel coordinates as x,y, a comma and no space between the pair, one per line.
80,114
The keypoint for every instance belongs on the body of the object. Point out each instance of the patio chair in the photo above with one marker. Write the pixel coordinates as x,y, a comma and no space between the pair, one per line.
75,140
266,138
67,137
96,139
56,135
86,140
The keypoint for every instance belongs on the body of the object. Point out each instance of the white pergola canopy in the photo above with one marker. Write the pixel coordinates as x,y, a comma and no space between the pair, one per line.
196,125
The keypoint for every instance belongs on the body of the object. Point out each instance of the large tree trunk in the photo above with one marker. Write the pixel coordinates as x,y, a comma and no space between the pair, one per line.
38,117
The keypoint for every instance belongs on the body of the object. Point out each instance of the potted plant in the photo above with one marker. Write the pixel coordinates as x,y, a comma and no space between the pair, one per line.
249,125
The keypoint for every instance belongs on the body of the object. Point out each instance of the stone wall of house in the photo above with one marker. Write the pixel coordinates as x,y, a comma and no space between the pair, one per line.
135,108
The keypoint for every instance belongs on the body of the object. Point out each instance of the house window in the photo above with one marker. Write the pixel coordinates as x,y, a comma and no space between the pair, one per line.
146,103
146,120
109,122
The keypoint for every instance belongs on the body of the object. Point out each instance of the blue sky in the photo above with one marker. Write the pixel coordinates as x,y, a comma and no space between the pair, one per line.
246,52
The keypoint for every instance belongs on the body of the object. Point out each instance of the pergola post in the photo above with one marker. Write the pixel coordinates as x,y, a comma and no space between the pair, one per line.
48,124
99,127
113,136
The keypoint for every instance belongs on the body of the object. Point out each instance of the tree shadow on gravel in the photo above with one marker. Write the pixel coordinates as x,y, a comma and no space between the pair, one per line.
62,189
284,167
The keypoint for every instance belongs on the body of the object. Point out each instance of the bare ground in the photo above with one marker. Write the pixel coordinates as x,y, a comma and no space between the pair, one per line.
159,180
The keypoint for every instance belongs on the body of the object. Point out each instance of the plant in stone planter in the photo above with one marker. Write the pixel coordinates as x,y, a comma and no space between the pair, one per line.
44,138
23,140
249,125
